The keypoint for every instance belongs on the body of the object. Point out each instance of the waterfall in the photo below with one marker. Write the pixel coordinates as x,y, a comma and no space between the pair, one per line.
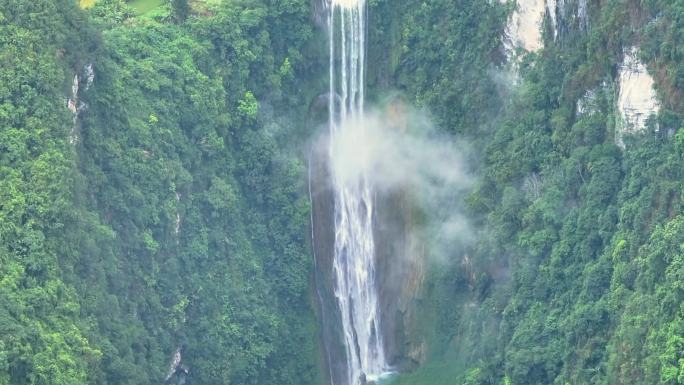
354,249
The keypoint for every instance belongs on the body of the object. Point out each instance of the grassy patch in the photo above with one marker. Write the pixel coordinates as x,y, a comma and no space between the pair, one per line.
86,3
145,6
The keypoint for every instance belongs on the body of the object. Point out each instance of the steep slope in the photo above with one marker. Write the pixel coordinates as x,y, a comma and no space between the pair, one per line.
572,279
42,338
153,204
159,235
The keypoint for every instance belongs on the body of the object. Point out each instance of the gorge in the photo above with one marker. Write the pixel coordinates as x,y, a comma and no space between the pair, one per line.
341,192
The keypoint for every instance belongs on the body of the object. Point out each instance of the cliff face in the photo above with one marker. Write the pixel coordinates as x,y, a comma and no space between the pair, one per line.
563,278
562,208
637,100
323,238
401,271
524,25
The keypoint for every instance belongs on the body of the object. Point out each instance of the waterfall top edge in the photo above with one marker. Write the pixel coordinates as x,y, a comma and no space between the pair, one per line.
347,3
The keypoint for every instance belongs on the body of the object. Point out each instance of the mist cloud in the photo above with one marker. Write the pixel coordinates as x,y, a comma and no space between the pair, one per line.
398,149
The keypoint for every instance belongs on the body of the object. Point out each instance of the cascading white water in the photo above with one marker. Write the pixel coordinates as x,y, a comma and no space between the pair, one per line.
354,248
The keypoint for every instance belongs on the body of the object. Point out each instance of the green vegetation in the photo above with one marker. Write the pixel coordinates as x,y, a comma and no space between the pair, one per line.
144,6
576,276
172,214
178,217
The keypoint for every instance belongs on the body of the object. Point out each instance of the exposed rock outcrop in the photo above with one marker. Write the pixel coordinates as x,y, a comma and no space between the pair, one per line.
524,26
585,104
637,100
73,103
177,369
178,217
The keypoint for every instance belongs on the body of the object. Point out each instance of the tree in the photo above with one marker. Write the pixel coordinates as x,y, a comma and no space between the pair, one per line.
181,10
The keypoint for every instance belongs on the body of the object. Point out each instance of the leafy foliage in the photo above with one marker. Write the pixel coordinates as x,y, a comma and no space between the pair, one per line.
171,212
579,239
175,220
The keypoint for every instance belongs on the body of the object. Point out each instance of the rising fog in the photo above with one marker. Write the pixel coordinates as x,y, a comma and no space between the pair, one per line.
398,148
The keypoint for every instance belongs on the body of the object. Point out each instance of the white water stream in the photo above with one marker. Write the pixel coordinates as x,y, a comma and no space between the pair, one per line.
354,249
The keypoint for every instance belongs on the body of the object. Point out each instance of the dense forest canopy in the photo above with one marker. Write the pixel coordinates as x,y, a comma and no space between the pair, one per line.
164,213
155,218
